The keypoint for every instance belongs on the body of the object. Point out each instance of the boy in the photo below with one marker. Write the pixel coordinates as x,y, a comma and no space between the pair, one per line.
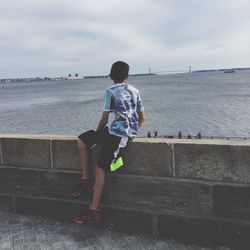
124,100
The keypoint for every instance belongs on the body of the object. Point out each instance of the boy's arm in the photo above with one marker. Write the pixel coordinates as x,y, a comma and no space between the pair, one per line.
141,118
104,120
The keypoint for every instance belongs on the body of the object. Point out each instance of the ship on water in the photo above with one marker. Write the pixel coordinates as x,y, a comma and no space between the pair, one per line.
229,71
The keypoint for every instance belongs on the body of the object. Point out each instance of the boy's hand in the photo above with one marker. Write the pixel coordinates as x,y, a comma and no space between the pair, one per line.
104,120
141,118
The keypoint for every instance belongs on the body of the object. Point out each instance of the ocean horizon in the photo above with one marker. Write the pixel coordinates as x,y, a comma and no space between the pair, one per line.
212,103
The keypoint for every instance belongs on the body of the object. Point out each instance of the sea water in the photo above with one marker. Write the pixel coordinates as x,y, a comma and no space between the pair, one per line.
213,103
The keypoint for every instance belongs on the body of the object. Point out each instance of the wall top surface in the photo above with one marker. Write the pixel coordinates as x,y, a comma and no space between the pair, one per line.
233,142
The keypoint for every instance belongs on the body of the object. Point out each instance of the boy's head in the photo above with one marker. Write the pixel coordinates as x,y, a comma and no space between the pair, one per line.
119,72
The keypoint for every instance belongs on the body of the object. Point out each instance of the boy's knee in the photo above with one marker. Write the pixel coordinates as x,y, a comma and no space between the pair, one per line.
81,144
99,171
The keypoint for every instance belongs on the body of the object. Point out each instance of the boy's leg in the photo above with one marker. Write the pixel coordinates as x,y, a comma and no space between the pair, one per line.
85,142
92,215
85,184
84,159
110,150
111,145
98,188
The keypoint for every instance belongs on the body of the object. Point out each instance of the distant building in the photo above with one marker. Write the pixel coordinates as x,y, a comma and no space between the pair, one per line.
74,77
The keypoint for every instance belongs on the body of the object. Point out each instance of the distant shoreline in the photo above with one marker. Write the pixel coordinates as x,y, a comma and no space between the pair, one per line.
216,70
63,78
39,79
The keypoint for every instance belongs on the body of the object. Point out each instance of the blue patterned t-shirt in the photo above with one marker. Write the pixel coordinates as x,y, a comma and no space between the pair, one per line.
125,101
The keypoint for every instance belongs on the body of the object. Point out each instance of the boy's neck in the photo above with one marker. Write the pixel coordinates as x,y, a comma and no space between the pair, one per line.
120,82
124,81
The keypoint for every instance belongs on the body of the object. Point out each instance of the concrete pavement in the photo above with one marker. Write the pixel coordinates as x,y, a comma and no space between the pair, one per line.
21,232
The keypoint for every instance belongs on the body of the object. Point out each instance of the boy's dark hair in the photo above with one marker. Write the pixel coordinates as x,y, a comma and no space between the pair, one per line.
119,71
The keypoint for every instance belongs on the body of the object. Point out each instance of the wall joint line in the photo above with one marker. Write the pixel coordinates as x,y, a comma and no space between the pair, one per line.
173,160
51,155
1,154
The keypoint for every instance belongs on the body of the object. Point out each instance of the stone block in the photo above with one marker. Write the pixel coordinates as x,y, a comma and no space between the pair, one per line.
227,163
66,156
231,202
204,231
121,220
55,209
148,159
33,153
57,184
16,181
127,221
161,195
6,203
60,185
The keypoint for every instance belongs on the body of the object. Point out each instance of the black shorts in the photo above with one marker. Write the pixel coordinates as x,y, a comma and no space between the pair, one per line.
111,145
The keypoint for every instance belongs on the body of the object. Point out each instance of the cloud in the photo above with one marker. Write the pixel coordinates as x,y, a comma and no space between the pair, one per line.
60,36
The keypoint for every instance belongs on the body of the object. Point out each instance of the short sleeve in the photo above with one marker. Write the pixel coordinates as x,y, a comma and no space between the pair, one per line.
108,101
140,107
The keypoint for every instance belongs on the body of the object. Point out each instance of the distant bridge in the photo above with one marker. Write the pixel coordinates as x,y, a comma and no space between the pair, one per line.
172,71
189,70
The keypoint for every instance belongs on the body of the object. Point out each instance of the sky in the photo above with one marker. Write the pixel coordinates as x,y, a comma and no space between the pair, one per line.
59,37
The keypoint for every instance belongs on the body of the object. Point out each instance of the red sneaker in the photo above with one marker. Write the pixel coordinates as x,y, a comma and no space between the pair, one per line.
85,185
91,216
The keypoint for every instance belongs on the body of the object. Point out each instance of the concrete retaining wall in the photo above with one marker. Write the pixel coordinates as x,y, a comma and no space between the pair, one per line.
192,190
